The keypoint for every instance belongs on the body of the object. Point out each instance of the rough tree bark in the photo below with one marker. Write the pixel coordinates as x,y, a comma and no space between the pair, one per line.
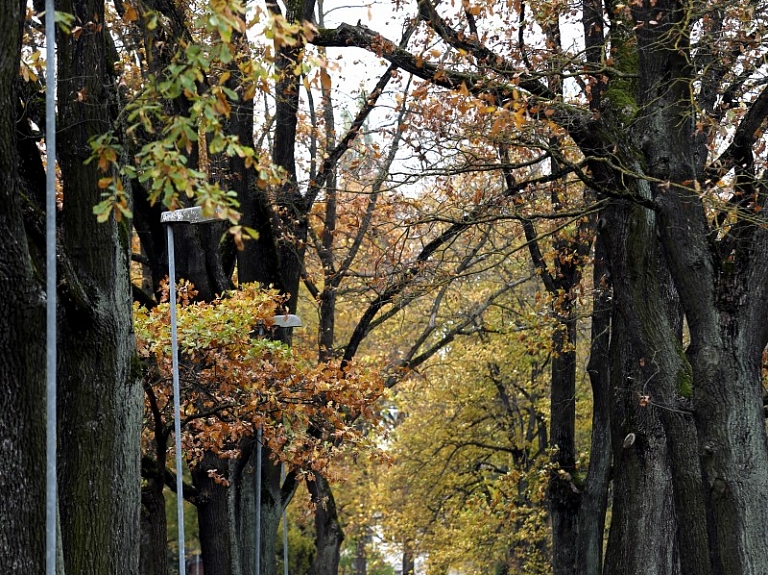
329,534
213,515
652,320
100,394
153,559
594,498
22,338
723,294
643,527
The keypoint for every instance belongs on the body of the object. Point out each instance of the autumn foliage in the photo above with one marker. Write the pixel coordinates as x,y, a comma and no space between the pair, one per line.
235,379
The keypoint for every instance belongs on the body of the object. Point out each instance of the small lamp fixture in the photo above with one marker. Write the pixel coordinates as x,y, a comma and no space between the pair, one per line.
287,320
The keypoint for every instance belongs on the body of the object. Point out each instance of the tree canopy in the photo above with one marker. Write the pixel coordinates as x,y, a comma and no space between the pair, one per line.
529,243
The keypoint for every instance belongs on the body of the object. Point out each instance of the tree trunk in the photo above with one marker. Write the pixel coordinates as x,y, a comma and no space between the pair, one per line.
276,260
409,561
642,536
732,446
100,395
726,306
213,515
276,494
563,494
22,340
721,288
594,499
242,508
154,531
328,532
361,553
290,224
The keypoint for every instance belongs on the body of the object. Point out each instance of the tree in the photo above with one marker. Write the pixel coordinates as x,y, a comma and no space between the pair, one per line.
22,345
468,484
99,393
644,137
682,198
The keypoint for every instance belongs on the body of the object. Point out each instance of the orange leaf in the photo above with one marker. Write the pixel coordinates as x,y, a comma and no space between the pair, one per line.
130,15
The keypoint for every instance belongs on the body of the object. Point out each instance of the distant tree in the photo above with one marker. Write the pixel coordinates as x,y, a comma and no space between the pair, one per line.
467,487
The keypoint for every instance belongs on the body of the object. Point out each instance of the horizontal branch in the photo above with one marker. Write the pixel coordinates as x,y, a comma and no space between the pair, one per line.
501,87
360,36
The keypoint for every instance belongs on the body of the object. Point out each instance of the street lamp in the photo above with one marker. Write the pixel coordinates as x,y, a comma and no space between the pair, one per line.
51,503
182,216
195,215
288,320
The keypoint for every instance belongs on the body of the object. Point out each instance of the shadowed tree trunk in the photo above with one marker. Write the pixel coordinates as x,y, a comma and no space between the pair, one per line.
154,533
409,560
361,553
276,494
329,534
99,397
242,508
22,338
213,515
594,498
99,390
643,529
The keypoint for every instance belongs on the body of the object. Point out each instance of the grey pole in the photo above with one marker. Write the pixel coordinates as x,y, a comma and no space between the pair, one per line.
189,216
259,436
287,320
285,528
51,504
176,399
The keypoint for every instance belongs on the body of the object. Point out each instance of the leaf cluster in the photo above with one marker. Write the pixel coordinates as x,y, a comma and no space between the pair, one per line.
173,130
235,379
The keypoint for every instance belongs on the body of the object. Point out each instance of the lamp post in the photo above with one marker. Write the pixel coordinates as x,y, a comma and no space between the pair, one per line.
284,321
51,503
195,216
285,528
183,216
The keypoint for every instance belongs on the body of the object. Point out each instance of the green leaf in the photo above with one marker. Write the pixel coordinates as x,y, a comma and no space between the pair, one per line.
65,20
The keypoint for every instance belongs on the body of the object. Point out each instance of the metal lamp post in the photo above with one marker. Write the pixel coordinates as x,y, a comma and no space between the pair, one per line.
284,321
183,216
195,216
51,504
285,528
